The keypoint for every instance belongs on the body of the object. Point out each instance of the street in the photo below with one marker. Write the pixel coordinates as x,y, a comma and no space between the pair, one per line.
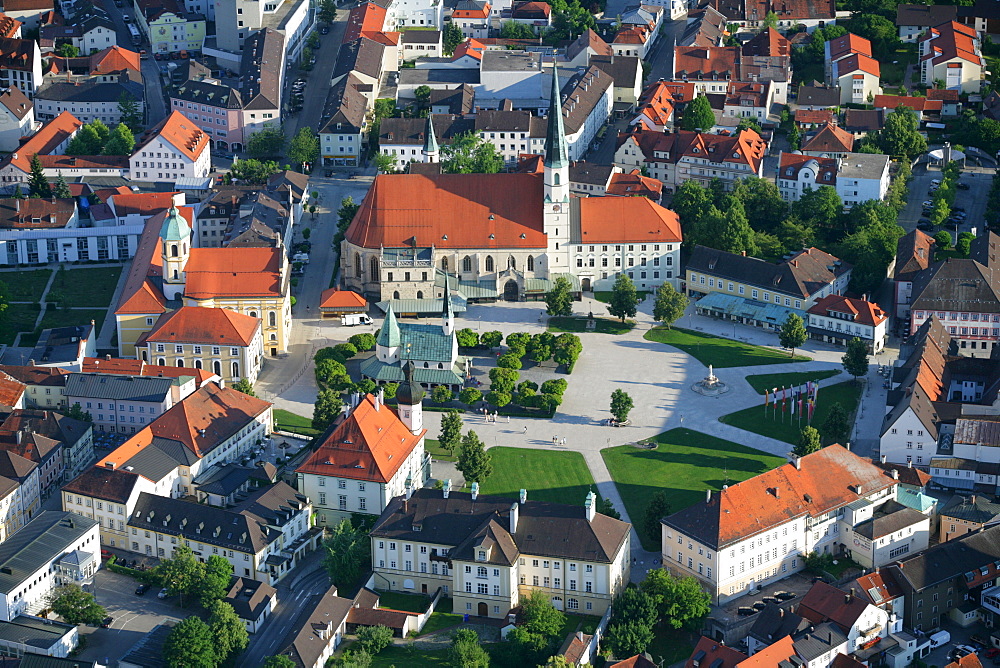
156,107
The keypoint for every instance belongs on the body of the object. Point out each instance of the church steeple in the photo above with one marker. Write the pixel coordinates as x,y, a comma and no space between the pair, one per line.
556,150
447,316
389,338
430,142
175,237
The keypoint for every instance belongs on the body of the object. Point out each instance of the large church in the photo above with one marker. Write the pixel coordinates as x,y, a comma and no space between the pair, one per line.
502,235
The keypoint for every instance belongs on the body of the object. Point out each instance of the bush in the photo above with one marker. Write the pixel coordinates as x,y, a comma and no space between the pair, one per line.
442,394
467,338
470,396
344,351
498,399
509,361
555,386
362,342
527,384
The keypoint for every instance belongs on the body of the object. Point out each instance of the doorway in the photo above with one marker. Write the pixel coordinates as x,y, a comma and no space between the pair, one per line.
510,291
585,284
423,588
484,610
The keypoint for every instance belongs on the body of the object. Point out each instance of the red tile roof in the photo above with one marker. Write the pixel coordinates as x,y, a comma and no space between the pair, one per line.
143,204
365,18
141,293
772,655
943,94
848,44
714,653
657,102
46,140
231,272
181,133
9,26
627,220
863,312
914,103
796,161
209,326
633,184
451,211
746,148
882,582
470,47
482,13
37,375
334,298
632,35
952,40
768,42
826,603
11,390
967,661
858,63
114,59
707,60
370,444
26,5
830,139
128,367
637,661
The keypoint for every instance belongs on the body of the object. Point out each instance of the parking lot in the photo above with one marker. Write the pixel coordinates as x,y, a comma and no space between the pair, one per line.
972,200
133,616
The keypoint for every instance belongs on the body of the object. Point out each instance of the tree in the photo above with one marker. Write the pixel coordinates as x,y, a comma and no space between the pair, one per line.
669,304
467,338
67,50
181,574
808,442
327,11
423,97
61,189
85,142
470,396
229,631
498,399
792,333
964,245
266,143
345,214
699,115
503,380
836,426
567,349
794,137
327,408
900,135
624,299
76,606
621,404
348,554
245,386
355,658
191,644
939,213
38,183
539,348
514,30
539,615
215,579
628,638
279,661
389,390
466,652
657,508
882,33
605,507
509,361
128,111
362,342
770,21
942,239
748,123
819,207
75,411
474,462
469,154
253,172
374,639
856,358
451,38
682,602
385,163
121,141
559,300
442,394
304,147
491,339
762,203
451,430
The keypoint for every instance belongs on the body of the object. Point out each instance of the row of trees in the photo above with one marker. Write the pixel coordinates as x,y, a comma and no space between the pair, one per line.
194,643
269,144
95,138
466,153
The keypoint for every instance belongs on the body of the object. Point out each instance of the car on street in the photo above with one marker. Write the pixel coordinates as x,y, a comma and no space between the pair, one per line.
929,202
963,186
163,593
329,173
960,209
936,181
126,18
325,30
141,589
106,622
959,651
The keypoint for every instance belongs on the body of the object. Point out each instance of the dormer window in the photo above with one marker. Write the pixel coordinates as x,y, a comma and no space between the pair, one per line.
788,172
481,555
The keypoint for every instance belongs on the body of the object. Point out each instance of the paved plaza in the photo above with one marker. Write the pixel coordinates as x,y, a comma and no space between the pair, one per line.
658,378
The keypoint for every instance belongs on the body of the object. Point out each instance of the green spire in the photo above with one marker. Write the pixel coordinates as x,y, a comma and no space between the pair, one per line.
556,151
388,336
430,141
174,227
446,306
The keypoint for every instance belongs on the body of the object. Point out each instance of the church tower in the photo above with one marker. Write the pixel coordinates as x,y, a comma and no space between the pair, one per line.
447,316
409,397
556,180
430,151
389,338
175,234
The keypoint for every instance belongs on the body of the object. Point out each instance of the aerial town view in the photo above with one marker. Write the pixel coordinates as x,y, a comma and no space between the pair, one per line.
499,334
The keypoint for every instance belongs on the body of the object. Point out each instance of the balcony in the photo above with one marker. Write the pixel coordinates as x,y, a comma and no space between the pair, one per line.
991,599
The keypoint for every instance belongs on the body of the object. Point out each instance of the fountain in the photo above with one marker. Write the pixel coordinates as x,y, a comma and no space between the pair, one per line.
710,385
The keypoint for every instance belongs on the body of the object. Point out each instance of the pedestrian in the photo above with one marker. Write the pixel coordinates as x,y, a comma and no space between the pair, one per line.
525,429
508,419
555,440
563,441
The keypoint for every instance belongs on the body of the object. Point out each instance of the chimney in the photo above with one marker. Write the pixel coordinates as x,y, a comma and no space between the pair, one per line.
579,636
849,596
475,491
523,497
895,474
107,357
798,463
909,464
743,253
447,487
972,500
708,495
513,517
882,459
590,506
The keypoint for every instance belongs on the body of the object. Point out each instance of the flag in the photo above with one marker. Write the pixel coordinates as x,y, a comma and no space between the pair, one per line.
812,406
766,397
782,399
800,404
792,402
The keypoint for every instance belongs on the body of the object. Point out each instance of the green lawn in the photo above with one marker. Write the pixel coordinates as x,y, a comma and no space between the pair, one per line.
405,602
401,656
683,465
433,447
440,620
578,325
69,317
573,623
752,419
892,73
26,286
670,646
288,421
17,318
604,296
87,286
769,381
717,351
559,477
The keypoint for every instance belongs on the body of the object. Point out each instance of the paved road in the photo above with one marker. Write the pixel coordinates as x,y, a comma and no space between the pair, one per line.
317,81
156,108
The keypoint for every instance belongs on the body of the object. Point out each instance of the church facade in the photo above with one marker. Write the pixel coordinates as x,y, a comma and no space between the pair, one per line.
512,234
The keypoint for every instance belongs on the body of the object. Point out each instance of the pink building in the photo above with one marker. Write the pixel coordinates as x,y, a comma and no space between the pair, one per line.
214,108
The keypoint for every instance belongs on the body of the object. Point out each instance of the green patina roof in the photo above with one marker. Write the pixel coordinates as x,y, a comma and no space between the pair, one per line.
384,372
915,500
421,306
484,289
556,150
424,342
388,336
430,141
538,285
174,228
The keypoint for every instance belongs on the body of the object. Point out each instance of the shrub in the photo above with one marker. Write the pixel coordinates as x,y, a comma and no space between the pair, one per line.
470,396
442,394
467,338
527,384
509,361
555,386
498,399
362,341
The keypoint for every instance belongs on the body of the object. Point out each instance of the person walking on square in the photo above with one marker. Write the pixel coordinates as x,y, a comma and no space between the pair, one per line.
525,429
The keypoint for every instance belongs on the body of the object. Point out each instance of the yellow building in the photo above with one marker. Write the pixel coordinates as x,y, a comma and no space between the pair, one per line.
168,273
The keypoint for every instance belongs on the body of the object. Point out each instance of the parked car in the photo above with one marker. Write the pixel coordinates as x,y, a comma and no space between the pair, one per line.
960,651
141,589
105,554
325,30
958,208
936,181
329,173
925,225
106,622
163,593
126,17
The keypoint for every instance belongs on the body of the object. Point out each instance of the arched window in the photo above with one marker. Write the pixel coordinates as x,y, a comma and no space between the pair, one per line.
253,314
217,367
426,365
444,264
440,365
531,263
274,337
420,294
373,265
197,364
272,319
161,362
173,250
144,358
511,263
467,264
557,178
357,264
395,294
180,362
176,275
236,369
481,572
489,263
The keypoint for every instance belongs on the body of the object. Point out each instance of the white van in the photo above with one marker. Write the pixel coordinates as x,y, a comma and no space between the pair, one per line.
354,319
940,638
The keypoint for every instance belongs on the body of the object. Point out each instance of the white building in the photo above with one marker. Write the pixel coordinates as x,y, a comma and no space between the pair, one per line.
587,102
17,118
403,14
858,177
510,75
176,148
125,404
951,53
20,64
838,319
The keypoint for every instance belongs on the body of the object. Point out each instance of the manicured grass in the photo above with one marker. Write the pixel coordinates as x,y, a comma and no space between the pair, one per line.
753,419
433,446
604,296
87,286
69,317
769,381
17,318
26,286
843,565
683,465
559,477
405,602
288,421
440,620
408,656
578,325
669,645
892,73
717,351
573,623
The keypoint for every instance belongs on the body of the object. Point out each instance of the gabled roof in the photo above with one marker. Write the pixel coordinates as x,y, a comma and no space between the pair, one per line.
45,141
856,62
208,326
217,272
790,165
588,40
11,390
921,104
914,252
16,102
830,139
974,508
925,15
790,10
259,69
857,310
908,475
949,41
775,654
822,481
956,284
370,444
878,587
470,47
47,536
768,42
180,132
804,274
626,220
18,54
848,44
713,653
143,204
316,627
131,367
37,375
954,559
633,184
334,298
706,62
819,96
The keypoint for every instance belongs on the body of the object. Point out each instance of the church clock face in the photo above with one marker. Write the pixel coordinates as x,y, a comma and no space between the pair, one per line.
557,208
